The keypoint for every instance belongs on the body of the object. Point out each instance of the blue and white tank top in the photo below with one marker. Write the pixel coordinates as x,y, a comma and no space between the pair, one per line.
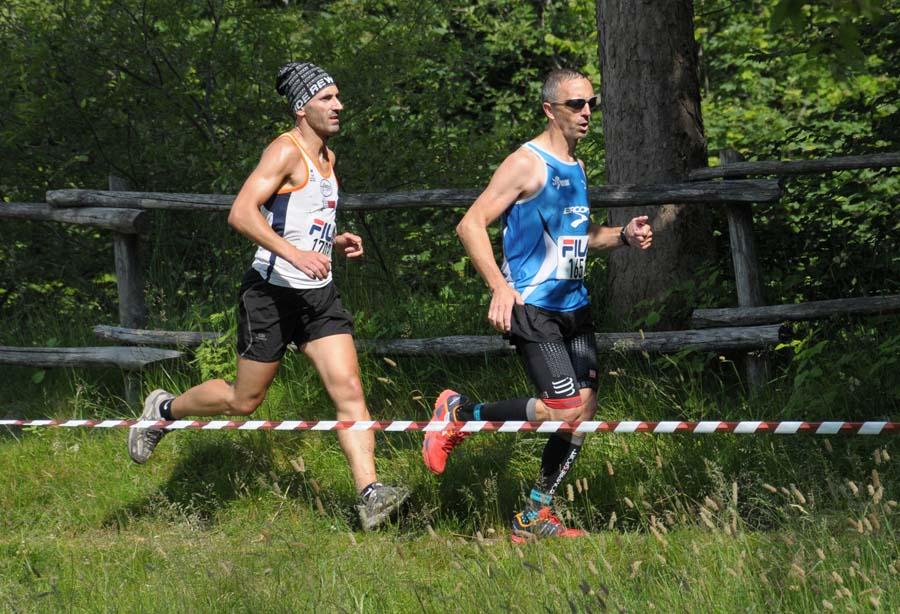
545,238
305,216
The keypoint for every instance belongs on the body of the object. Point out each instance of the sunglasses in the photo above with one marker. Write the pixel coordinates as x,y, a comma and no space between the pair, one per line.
576,104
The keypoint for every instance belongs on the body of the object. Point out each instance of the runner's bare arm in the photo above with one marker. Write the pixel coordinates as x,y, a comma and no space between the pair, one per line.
273,170
349,244
638,233
518,176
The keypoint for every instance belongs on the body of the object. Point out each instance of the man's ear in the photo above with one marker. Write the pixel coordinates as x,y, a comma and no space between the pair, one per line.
548,110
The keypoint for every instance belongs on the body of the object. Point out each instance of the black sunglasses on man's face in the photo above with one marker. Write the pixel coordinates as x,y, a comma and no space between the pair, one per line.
576,104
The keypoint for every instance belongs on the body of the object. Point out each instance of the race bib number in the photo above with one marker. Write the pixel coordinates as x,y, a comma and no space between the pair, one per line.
322,235
323,247
572,252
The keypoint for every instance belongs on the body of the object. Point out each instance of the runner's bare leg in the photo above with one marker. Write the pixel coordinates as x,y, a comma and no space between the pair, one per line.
335,359
218,397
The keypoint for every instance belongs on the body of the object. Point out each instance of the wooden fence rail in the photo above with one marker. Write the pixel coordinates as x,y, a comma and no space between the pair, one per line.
796,167
120,334
128,358
124,220
711,192
755,316
711,339
722,339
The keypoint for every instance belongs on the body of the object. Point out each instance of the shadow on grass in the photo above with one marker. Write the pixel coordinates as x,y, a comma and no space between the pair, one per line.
488,476
208,475
482,480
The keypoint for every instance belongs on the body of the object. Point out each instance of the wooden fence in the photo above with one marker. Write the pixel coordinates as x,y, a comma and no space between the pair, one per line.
749,326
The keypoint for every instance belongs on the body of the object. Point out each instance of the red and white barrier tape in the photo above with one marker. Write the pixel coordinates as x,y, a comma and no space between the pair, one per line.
550,426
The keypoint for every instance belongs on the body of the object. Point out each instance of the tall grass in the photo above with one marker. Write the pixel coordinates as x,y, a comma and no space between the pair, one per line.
264,521
227,520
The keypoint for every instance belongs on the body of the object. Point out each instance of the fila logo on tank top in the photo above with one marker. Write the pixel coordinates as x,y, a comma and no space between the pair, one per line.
545,238
305,216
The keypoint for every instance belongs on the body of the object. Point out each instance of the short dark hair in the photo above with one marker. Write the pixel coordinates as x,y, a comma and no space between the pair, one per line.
554,79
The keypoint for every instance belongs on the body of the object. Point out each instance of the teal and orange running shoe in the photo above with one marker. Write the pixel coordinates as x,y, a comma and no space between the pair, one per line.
535,524
438,445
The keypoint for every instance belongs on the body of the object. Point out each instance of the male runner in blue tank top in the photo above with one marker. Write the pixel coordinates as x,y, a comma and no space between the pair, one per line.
287,208
539,297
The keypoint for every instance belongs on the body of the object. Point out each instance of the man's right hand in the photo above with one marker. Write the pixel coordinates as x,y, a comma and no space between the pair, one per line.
312,264
500,311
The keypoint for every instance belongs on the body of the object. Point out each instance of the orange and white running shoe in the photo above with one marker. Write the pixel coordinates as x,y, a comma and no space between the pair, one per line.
438,445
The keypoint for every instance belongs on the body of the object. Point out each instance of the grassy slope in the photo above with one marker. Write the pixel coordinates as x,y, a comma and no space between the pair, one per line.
223,521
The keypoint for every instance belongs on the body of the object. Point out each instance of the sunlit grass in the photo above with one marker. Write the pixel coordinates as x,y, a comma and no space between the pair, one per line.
265,521
227,520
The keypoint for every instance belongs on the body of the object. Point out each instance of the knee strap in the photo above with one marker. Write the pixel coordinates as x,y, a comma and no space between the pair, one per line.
572,402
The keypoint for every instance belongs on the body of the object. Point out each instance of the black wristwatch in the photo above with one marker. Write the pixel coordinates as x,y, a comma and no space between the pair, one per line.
623,238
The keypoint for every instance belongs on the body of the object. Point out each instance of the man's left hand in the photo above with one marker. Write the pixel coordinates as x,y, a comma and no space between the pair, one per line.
639,233
349,244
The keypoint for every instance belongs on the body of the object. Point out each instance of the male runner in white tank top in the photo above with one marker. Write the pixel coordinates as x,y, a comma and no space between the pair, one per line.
287,207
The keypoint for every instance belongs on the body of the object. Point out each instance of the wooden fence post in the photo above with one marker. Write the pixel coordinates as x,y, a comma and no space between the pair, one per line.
130,276
746,269
130,282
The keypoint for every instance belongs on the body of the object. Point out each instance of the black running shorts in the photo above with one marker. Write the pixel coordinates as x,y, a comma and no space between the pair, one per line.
272,316
559,351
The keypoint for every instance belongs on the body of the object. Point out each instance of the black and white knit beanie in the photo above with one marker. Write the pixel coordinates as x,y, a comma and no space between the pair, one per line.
300,81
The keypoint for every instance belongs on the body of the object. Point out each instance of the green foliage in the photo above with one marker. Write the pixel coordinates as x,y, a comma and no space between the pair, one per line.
185,77
774,94
216,359
835,364
835,26
178,96
781,82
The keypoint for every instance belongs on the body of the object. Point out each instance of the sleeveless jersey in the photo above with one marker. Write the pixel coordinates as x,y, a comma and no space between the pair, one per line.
305,216
545,238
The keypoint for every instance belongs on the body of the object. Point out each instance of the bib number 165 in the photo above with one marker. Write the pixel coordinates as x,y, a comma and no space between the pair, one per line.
572,257
576,268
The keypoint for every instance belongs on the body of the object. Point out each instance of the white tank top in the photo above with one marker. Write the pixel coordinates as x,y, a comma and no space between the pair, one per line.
305,216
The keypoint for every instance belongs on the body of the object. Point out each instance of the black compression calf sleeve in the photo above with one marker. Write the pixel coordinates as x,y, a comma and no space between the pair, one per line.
496,411
556,461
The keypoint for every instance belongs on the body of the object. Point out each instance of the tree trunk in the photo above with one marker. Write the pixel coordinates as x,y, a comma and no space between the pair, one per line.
653,130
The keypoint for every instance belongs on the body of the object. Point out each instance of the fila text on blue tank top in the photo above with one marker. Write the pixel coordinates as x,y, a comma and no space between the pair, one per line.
545,238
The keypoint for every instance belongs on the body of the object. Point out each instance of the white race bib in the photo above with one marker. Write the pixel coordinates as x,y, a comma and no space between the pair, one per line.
320,236
571,257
